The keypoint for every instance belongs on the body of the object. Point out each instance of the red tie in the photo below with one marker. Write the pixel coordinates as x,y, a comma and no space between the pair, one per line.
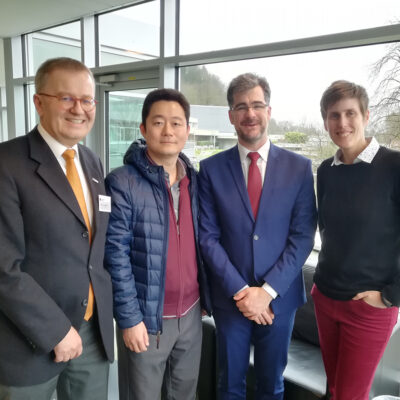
254,182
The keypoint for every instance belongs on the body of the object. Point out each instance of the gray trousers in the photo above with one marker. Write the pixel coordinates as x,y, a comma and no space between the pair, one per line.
84,378
172,368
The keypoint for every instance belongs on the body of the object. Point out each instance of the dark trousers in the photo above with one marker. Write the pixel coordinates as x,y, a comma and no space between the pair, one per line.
353,336
172,365
235,333
84,378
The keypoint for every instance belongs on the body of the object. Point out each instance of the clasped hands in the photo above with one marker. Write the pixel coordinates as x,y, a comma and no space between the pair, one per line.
254,304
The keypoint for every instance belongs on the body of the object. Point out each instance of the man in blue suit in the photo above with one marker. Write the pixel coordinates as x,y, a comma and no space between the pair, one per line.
257,226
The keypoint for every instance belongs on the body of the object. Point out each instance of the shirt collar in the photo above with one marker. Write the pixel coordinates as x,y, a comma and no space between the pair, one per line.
367,155
180,172
56,147
262,151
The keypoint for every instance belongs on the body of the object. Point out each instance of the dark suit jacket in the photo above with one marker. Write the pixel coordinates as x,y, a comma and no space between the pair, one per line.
272,249
46,259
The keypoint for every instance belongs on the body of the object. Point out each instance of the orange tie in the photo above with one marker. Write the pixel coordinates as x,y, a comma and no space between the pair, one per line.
75,182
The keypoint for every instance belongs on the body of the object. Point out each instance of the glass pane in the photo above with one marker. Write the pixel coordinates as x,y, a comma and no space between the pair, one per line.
125,117
33,117
3,115
3,105
61,41
297,83
235,23
130,34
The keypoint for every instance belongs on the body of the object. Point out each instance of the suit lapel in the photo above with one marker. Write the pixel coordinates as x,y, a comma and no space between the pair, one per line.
270,181
52,174
235,167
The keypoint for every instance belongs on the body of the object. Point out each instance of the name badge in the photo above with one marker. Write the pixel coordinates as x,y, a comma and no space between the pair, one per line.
104,203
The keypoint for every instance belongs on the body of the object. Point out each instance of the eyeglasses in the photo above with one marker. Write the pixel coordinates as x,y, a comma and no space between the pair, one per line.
67,102
242,108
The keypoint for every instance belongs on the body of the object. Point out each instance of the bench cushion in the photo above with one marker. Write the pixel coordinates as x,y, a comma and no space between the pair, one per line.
305,324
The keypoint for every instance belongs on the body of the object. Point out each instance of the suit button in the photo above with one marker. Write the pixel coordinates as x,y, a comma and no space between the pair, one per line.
85,303
255,237
85,234
90,266
31,343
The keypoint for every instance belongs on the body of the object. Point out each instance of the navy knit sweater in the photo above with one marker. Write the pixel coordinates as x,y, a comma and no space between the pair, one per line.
359,222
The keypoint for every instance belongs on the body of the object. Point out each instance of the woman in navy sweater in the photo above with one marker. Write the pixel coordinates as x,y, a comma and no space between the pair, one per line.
357,280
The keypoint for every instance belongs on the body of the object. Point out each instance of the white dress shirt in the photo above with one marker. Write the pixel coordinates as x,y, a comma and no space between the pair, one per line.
262,165
367,155
261,162
58,149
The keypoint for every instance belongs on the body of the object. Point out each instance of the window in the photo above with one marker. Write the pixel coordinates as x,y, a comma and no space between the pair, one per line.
61,41
3,115
130,34
125,116
237,23
33,117
3,109
297,83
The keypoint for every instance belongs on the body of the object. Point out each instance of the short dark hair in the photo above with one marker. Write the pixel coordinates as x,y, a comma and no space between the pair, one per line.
166,95
342,89
63,63
245,82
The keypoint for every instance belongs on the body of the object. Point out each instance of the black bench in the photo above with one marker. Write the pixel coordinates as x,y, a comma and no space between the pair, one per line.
304,375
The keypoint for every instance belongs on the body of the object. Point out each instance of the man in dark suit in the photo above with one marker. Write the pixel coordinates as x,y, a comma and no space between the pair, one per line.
56,329
257,227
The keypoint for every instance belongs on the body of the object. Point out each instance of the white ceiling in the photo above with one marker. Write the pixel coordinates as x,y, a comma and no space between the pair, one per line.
24,16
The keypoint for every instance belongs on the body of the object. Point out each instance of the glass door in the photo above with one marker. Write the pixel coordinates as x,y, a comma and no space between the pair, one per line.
120,116
124,119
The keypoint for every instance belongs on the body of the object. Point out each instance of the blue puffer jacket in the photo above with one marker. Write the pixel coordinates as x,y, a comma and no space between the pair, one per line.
137,239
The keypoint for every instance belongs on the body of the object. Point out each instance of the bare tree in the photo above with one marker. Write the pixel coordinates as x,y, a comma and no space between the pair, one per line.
386,108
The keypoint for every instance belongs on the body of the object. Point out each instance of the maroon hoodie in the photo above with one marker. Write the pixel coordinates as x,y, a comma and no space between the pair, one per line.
181,284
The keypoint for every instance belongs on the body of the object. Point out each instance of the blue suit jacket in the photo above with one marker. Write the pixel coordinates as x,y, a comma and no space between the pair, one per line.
239,250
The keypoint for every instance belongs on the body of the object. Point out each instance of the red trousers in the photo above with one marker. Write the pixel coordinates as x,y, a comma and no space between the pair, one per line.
353,336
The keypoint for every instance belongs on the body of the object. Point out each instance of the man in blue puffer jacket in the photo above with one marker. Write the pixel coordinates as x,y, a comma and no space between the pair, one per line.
152,253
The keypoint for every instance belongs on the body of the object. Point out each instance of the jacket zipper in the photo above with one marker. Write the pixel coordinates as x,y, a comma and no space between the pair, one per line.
164,265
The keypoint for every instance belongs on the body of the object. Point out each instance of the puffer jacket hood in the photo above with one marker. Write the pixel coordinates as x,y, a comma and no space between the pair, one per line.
137,147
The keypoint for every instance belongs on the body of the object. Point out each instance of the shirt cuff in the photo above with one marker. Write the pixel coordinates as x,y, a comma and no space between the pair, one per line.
244,287
270,290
